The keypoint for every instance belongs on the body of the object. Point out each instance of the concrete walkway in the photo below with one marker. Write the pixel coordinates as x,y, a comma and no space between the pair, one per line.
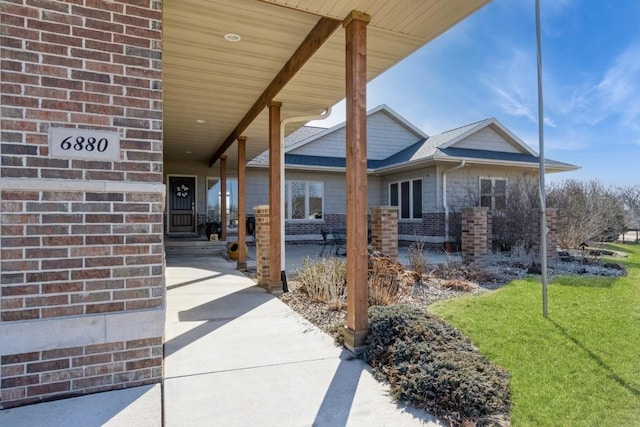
235,356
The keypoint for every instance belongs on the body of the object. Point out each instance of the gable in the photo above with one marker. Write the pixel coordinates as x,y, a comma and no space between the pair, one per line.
385,137
489,140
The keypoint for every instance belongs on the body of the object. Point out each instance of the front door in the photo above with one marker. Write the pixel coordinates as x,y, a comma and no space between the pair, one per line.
182,204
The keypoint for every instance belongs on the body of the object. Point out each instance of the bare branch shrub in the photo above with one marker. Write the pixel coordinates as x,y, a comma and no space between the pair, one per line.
511,226
630,197
521,256
523,208
385,278
418,260
587,211
324,281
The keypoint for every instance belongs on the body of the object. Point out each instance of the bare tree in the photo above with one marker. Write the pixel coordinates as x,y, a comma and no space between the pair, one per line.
630,196
586,211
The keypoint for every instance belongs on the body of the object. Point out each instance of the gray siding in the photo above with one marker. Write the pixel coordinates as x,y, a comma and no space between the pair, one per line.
486,139
428,176
385,137
463,184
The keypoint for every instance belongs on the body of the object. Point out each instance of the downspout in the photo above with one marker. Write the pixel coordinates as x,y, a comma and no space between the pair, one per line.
445,205
283,123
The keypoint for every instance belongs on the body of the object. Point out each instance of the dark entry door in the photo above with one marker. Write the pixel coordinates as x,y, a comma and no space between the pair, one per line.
182,204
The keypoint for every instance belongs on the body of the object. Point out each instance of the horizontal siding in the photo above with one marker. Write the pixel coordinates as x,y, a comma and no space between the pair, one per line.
430,190
257,188
385,137
463,184
428,176
332,145
486,139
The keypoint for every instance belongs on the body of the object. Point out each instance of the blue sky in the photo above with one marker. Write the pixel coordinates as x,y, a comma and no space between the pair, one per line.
486,67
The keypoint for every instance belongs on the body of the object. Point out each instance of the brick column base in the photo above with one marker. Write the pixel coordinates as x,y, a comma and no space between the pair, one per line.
263,270
384,230
552,235
474,234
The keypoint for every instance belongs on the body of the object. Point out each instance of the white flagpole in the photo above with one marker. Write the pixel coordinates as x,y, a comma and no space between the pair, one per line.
543,208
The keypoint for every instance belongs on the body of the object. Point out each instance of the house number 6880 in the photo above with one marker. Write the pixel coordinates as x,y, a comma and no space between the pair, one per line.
81,143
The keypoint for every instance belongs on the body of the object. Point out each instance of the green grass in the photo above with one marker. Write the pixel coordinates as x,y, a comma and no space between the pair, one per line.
578,367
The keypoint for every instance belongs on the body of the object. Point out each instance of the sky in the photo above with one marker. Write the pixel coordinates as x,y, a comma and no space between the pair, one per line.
486,67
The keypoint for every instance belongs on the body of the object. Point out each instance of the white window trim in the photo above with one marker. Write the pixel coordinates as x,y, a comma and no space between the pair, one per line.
410,181
289,204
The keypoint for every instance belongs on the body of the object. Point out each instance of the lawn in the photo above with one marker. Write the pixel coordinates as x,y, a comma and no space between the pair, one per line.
578,367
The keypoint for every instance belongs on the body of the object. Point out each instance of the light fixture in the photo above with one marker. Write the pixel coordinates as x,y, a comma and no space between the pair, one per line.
201,121
187,152
232,37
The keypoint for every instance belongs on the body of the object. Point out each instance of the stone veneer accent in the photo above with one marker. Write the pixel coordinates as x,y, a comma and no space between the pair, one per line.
82,282
384,230
475,241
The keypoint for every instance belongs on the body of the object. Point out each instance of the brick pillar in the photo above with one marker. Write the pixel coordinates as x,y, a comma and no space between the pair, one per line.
489,231
384,230
82,259
552,235
474,234
263,263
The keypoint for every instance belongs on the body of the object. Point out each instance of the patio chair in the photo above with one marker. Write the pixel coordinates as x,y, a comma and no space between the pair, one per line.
326,240
340,240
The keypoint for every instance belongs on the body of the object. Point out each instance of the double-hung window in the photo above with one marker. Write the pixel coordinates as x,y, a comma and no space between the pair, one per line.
303,200
493,194
407,196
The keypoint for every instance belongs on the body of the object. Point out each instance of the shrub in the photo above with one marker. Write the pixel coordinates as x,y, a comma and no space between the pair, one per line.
324,281
418,261
586,211
433,366
384,280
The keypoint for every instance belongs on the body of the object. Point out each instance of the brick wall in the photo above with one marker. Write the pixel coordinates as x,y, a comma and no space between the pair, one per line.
81,238
41,375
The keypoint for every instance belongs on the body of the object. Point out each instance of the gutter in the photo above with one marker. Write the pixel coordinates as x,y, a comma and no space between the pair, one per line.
445,205
283,124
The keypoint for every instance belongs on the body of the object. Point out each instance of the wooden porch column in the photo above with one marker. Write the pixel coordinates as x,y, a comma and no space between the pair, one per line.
356,168
275,237
223,198
242,230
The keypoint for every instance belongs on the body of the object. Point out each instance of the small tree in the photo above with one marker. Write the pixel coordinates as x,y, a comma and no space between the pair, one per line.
586,211
630,197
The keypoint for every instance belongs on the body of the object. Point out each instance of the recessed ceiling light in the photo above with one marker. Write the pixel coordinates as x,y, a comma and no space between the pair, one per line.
187,152
232,37
201,121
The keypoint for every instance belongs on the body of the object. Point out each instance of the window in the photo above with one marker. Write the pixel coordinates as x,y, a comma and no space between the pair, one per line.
214,201
407,195
303,200
493,194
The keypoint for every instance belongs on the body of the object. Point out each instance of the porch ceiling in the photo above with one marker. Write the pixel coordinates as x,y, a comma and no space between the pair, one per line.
206,77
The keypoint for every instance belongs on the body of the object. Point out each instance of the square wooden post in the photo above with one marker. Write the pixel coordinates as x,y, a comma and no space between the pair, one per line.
241,264
223,198
356,170
275,154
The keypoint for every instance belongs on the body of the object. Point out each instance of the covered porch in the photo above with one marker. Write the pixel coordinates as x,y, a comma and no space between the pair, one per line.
239,75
